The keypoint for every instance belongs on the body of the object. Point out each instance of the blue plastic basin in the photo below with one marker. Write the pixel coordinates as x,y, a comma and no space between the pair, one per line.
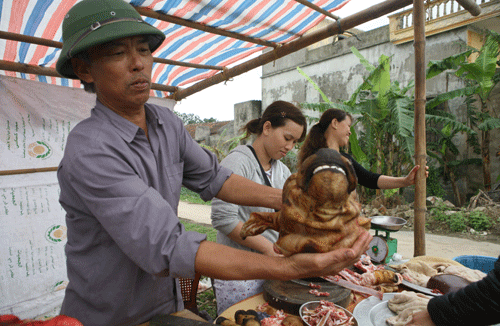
482,263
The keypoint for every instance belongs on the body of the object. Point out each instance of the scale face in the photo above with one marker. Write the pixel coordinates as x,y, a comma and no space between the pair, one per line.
378,250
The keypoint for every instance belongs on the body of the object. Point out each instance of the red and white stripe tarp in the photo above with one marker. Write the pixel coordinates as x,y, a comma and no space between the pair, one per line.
277,21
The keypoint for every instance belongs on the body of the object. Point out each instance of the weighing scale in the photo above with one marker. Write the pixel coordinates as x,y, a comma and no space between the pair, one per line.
383,247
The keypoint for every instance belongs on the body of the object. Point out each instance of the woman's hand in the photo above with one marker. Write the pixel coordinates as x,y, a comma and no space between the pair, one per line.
421,318
410,178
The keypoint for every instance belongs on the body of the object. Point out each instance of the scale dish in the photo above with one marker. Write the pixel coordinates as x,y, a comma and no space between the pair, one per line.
314,304
388,222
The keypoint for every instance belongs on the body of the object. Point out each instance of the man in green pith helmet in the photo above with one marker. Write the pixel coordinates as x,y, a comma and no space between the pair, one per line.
120,181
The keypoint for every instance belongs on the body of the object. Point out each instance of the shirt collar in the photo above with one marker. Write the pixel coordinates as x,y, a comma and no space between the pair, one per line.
126,129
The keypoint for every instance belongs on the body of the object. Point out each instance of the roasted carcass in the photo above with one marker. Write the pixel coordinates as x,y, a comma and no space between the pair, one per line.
320,212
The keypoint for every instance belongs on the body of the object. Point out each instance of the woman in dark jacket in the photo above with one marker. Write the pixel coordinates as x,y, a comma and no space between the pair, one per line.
477,304
333,131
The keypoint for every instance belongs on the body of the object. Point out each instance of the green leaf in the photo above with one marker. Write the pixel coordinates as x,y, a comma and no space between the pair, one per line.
443,97
452,122
356,150
316,87
489,124
363,60
377,77
384,81
435,67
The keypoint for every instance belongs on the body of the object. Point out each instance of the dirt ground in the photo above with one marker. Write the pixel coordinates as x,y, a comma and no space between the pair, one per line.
435,226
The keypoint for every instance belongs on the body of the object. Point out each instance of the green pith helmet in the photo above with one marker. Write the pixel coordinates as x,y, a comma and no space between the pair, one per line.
93,22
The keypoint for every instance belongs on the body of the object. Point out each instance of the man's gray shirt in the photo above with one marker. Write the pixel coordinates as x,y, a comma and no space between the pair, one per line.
121,192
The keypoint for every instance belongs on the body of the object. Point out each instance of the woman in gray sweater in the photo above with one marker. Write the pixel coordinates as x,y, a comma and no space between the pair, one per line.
281,126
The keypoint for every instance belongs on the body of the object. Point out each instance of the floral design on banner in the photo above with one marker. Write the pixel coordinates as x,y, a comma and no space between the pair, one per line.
56,233
60,285
39,149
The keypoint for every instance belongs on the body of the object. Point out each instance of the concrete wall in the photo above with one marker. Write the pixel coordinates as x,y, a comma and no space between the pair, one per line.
211,135
338,73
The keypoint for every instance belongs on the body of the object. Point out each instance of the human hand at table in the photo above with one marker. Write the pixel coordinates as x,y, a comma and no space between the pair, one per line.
421,318
329,263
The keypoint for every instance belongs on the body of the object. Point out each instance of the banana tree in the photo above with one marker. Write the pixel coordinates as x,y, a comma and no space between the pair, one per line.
481,76
386,116
443,150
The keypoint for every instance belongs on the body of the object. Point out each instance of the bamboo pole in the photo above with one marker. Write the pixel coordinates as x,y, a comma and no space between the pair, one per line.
420,141
29,39
471,6
187,64
46,71
183,22
322,11
54,44
26,171
318,9
340,26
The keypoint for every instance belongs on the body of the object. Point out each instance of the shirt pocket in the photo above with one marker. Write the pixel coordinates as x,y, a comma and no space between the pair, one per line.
174,177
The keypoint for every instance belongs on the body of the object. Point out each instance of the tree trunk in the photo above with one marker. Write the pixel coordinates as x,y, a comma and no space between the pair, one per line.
379,192
485,152
454,186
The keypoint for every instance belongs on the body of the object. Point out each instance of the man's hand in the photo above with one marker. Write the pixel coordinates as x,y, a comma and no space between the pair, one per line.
330,263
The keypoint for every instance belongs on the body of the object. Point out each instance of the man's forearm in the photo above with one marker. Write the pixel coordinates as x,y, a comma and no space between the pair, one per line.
219,261
226,263
241,191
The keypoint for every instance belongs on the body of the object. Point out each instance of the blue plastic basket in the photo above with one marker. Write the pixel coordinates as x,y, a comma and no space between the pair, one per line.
482,263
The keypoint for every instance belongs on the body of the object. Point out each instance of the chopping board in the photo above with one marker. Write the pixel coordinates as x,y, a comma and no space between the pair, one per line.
290,295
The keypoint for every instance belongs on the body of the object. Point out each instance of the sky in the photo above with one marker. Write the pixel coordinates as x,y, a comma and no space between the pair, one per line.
218,101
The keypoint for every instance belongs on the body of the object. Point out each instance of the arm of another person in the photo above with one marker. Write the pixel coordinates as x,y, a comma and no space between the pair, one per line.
222,262
388,182
241,191
258,242
476,304
375,180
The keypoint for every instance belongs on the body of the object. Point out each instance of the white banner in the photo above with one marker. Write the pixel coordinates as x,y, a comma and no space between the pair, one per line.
32,240
35,119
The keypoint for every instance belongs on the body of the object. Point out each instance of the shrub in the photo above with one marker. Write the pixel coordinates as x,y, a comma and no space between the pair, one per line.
439,213
457,222
434,186
479,221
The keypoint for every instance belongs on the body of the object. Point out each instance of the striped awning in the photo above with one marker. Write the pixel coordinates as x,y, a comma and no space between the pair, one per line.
203,37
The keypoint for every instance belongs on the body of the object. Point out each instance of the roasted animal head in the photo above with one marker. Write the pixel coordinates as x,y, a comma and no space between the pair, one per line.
320,212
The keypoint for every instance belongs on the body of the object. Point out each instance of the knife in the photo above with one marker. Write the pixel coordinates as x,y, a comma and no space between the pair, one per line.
355,287
415,287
